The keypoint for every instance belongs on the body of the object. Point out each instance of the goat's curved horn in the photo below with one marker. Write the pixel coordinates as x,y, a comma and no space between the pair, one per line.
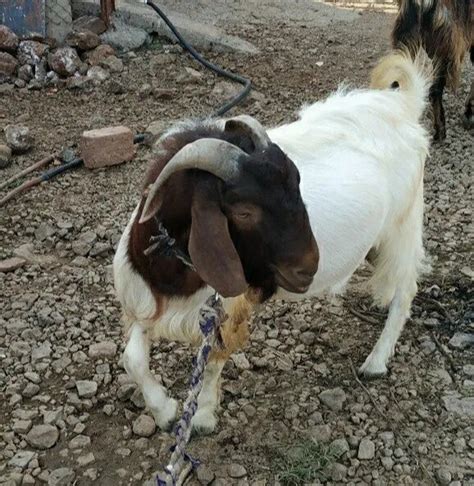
251,127
212,155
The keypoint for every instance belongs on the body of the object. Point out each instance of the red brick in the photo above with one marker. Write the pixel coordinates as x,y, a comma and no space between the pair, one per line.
107,146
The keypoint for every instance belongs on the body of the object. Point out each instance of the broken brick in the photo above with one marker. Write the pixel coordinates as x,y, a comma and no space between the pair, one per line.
107,146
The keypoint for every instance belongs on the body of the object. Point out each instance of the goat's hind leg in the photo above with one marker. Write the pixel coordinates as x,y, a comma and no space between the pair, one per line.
468,117
398,263
136,359
436,98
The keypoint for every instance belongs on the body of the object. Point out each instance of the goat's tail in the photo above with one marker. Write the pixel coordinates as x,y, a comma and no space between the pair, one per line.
411,73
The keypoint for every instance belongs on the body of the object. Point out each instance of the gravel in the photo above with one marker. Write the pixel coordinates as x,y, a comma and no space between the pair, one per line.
60,324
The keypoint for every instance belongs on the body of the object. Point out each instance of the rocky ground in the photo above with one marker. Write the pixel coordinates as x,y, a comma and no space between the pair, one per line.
68,413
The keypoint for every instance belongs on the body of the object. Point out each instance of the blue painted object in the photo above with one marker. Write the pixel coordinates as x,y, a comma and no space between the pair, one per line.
24,17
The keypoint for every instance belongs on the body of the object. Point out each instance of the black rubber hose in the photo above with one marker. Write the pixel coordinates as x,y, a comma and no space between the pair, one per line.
218,70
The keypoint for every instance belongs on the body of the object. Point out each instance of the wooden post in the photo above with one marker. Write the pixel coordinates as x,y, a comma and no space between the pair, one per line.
107,7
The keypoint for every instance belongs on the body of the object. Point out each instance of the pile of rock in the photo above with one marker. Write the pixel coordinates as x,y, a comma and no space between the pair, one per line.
36,62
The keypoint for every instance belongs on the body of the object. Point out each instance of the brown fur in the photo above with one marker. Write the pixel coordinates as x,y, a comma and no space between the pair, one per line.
444,28
235,330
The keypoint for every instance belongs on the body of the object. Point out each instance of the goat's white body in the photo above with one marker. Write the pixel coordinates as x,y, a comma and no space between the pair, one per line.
361,163
361,158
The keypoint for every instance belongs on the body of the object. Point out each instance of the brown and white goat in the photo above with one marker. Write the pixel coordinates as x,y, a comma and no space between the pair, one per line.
230,198
444,28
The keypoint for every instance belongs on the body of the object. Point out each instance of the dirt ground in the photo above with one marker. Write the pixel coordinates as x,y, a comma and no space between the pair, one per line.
414,426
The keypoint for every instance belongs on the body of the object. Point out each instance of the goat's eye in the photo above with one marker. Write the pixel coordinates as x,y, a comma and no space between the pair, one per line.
243,215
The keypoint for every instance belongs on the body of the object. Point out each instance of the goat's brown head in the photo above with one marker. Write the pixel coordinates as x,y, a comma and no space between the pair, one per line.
248,223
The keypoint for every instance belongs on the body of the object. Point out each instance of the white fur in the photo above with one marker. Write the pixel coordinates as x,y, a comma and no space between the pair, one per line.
361,157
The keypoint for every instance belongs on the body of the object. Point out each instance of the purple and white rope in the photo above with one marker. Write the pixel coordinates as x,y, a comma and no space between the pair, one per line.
181,463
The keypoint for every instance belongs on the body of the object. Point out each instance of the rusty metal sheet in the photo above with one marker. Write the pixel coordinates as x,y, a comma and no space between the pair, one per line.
24,17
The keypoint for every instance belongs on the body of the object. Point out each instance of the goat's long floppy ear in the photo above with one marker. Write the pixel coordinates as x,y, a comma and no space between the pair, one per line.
210,246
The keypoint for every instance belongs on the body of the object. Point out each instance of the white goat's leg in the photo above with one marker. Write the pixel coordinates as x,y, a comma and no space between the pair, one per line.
136,359
399,311
398,263
205,420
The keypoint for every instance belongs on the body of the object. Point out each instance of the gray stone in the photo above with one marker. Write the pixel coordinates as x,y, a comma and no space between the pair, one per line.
30,390
468,369
333,399
340,446
320,433
144,426
78,83
240,361
463,406
125,391
105,349
366,449
205,475
52,416
18,138
113,64
86,388
137,399
79,442
11,264
461,340
387,463
21,459
443,476
43,436
86,459
41,351
22,426
237,471
85,241
125,37
33,377
98,74
338,472
62,476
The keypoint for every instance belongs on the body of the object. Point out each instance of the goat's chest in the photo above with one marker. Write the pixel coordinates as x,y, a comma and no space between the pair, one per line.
180,318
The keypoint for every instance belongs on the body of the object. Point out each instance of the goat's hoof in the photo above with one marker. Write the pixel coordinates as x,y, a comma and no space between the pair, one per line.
468,122
204,422
439,137
165,417
372,370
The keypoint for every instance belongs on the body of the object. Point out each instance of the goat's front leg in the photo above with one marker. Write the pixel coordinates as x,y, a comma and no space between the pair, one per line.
235,335
136,359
